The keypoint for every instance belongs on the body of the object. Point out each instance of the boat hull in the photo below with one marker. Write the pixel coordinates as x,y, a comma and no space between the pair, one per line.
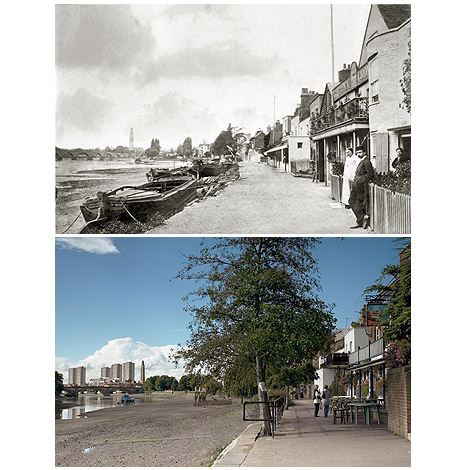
140,204
213,169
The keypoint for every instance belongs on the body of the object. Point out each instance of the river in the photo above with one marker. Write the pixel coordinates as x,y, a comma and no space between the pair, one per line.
76,180
73,408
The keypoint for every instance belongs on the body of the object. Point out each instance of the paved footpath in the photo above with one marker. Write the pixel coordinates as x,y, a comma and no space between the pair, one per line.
264,201
304,441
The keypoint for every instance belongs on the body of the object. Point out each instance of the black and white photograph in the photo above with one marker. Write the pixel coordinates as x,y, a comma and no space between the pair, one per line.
233,119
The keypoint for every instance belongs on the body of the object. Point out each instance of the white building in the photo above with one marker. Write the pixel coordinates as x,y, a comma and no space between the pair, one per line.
354,354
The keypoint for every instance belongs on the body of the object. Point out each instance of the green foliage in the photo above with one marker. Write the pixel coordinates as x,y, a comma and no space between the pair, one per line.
256,307
223,140
398,353
398,181
293,375
227,141
405,82
187,147
59,386
337,168
154,150
339,385
160,383
397,314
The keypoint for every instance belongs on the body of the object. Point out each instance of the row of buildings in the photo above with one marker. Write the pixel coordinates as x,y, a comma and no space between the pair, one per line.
359,352
364,107
117,373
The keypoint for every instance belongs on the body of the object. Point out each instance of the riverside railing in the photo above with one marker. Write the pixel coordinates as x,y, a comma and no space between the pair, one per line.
364,354
276,409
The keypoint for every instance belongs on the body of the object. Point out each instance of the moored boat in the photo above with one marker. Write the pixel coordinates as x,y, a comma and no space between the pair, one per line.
139,203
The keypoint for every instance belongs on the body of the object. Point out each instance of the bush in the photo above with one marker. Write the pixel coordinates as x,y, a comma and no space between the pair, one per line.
337,168
398,354
398,181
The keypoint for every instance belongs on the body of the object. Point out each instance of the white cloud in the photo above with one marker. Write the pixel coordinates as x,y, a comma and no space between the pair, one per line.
120,350
98,246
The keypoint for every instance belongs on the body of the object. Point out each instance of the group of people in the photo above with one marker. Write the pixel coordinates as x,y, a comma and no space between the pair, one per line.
322,397
358,172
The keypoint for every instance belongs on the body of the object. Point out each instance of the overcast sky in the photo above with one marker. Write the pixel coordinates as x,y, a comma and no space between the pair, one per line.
172,71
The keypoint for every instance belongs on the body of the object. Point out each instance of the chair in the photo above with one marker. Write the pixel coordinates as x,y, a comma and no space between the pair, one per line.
343,414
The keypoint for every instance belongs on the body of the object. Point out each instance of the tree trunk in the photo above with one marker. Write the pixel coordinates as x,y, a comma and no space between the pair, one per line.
262,396
287,397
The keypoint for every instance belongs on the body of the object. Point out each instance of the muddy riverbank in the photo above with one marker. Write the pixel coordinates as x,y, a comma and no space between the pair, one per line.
168,432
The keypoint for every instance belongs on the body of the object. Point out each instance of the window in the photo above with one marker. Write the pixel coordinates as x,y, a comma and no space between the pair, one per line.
299,145
373,80
351,342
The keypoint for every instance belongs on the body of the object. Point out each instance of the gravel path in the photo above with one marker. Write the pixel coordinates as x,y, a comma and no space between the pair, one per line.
264,201
169,432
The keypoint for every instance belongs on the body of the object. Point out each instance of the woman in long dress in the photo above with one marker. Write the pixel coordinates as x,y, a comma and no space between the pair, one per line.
351,162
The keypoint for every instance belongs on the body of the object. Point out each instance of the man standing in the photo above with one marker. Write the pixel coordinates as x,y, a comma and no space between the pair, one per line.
359,196
326,400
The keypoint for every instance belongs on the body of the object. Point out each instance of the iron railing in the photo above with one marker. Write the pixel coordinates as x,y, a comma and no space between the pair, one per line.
368,352
353,110
335,359
276,409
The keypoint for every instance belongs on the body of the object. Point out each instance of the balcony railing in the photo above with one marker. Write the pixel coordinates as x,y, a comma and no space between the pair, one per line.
368,352
335,359
353,110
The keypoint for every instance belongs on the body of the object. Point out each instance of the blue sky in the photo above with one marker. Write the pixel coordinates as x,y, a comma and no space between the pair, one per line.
117,297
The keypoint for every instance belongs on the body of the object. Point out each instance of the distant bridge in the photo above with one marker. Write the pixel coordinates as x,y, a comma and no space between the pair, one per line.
75,390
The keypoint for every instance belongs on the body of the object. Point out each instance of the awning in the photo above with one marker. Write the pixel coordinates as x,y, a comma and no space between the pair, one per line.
281,147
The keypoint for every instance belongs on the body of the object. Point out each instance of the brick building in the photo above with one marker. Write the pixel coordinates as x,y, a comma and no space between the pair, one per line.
385,48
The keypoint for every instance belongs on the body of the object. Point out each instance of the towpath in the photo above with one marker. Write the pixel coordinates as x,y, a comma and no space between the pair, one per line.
304,441
264,201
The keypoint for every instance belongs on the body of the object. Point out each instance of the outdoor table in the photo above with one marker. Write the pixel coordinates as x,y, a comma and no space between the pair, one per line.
366,407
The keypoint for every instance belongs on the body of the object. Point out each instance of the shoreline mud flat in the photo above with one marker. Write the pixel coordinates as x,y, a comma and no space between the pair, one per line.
168,432
74,189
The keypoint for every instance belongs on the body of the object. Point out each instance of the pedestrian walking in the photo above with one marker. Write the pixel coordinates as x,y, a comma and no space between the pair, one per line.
326,397
351,162
317,399
359,196
301,392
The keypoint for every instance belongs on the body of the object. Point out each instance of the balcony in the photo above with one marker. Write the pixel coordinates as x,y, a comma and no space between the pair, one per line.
367,353
354,110
335,360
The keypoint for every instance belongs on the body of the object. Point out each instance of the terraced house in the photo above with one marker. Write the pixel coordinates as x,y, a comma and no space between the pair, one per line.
367,104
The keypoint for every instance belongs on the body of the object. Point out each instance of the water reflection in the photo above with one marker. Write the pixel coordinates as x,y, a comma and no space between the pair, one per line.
73,408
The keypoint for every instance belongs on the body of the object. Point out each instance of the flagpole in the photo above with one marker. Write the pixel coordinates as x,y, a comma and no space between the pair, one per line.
332,44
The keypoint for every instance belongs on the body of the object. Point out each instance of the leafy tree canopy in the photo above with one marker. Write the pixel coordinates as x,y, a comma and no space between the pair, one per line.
257,306
187,147
227,141
59,386
395,280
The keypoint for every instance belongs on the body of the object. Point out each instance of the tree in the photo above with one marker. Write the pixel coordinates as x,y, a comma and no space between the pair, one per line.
396,317
59,386
227,141
154,150
405,82
257,305
187,147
